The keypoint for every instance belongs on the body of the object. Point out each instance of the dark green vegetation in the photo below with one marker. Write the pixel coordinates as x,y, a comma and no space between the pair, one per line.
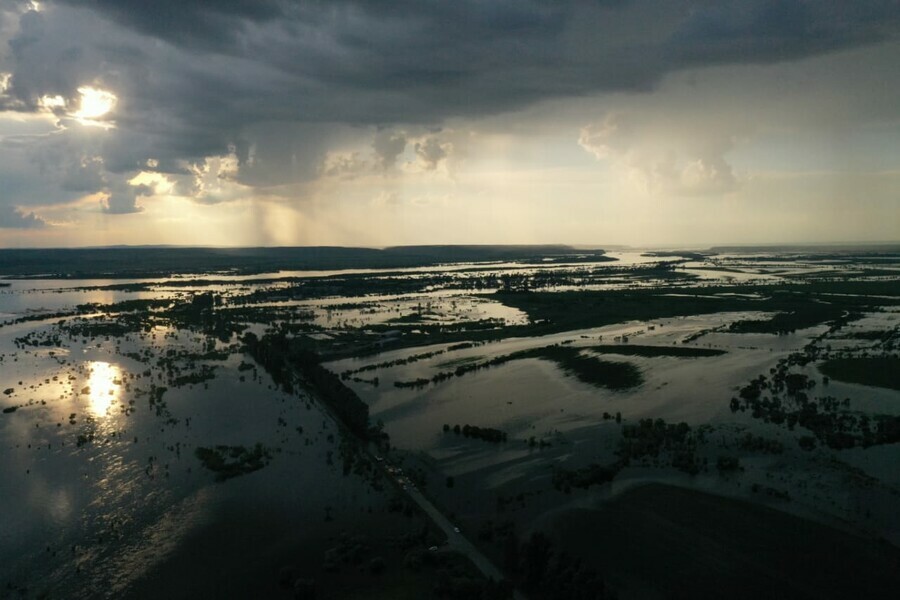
479,278
385,559
588,369
119,319
788,322
551,312
233,461
656,440
881,336
757,443
837,254
880,371
728,464
546,571
768,465
396,362
650,442
487,434
449,576
677,254
289,363
783,398
206,373
566,479
601,373
685,544
540,567
161,261
405,568
676,351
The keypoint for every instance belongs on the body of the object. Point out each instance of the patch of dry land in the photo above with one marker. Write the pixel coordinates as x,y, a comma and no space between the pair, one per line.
661,541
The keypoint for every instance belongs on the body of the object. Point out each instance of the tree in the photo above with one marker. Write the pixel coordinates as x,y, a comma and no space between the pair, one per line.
304,589
536,557
377,566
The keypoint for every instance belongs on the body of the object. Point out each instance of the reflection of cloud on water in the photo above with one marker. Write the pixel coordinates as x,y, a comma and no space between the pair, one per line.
60,506
152,543
54,500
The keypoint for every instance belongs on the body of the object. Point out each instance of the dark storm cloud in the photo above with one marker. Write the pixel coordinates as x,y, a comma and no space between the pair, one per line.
122,198
13,219
200,23
388,146
214,24
266,79
379,62
771,30
431,152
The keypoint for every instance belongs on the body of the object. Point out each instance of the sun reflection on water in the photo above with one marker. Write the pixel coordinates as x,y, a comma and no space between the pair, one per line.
104,382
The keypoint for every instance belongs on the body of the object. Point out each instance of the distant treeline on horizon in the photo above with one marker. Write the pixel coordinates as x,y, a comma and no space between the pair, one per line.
848,248
161,261
154,261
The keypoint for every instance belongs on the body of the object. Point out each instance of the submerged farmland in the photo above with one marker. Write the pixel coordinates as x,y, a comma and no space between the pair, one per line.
534,421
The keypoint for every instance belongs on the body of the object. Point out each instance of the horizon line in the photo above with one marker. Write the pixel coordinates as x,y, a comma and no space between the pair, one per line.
574,246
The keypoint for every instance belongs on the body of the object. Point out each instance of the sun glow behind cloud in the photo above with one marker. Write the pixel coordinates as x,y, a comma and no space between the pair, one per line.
52,103
95,103
157,181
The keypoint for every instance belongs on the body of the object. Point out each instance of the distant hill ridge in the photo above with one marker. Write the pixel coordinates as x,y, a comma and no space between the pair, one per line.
848,248
155,261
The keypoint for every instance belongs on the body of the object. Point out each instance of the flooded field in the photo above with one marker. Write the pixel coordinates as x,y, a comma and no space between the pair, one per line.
279,427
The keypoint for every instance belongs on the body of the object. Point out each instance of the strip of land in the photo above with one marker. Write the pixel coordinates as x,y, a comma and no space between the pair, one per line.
668,541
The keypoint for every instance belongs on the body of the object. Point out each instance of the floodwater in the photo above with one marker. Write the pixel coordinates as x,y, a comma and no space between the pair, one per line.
100,485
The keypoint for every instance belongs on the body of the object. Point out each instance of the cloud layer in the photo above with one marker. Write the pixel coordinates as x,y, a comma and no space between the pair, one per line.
689,163
240,99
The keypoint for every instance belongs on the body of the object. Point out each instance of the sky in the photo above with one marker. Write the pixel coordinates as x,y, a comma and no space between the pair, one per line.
376,123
